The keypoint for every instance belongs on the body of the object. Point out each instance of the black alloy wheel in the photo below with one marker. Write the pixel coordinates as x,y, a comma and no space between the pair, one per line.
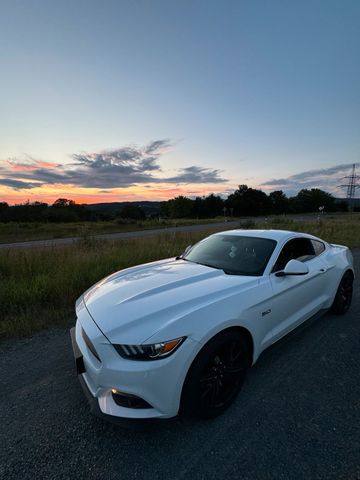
344,294
216,376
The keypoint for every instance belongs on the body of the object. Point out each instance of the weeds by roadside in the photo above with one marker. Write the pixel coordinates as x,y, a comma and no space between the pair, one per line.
22,232
38,287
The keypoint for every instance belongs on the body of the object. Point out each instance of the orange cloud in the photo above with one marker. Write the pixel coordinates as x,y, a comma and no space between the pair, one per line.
24,167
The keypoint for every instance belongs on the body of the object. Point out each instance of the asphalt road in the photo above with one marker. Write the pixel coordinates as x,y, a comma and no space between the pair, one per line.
298,416
119,235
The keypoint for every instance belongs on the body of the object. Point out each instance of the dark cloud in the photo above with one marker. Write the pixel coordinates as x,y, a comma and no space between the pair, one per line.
16,184
327,179
197,175
157,146
278,181
122,167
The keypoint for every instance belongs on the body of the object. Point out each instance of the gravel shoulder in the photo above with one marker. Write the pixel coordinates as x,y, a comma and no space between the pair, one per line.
298,416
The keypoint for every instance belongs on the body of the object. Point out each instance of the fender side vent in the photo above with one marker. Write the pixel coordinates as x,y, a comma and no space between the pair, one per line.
90,345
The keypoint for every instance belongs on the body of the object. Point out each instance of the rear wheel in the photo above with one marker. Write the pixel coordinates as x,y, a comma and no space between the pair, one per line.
216,375
343,295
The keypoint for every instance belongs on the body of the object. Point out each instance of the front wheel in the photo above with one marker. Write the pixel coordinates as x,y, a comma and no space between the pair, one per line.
216,375
343,295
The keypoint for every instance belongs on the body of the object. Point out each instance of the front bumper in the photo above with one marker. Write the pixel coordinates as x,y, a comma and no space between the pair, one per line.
159,382
93,401
80,369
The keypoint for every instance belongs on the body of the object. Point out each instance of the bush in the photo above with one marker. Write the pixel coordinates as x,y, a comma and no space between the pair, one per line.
247,224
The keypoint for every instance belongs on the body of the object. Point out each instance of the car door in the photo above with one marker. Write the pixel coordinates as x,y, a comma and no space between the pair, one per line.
297,297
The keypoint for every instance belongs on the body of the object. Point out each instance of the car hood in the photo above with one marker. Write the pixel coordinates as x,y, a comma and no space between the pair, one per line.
133,304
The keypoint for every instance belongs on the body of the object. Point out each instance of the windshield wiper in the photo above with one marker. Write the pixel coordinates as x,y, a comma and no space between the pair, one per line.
204,264
227,272
199,263
210,266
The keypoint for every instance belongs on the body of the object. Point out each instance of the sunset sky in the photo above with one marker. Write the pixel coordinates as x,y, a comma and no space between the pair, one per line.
146,100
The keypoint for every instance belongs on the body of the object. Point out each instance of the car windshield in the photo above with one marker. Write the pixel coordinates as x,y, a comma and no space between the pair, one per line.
235,254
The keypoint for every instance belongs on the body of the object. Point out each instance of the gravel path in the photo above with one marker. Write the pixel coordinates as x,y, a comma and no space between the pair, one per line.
298,416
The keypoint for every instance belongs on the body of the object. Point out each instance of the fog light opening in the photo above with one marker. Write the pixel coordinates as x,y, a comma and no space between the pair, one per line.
128,400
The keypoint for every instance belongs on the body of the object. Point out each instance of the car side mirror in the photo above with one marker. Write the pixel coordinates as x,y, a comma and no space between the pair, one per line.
293,267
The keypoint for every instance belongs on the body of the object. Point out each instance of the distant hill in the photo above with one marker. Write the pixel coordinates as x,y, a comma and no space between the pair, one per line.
113,208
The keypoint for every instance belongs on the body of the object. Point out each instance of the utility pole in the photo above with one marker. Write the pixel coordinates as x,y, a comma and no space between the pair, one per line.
351,187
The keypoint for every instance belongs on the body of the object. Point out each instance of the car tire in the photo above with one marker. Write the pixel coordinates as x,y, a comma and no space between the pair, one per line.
343,295
216,375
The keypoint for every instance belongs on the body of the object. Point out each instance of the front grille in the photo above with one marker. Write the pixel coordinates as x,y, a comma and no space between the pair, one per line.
90,345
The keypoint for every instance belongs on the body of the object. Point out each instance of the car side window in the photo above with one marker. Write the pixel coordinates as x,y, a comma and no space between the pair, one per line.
300,249
319,247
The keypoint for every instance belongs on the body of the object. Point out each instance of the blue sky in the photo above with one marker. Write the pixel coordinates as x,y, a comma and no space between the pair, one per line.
253,92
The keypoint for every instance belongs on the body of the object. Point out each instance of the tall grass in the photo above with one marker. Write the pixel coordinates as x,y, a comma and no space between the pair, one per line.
38,287
26,231
344,230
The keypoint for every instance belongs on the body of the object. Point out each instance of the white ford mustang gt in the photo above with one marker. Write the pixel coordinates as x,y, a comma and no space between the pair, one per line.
178,335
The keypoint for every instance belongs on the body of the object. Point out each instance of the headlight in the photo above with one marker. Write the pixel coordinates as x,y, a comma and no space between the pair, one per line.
149,352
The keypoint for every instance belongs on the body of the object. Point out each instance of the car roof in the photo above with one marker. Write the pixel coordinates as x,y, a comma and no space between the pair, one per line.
277,235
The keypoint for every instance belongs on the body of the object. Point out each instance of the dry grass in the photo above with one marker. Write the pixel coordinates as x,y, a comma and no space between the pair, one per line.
22,231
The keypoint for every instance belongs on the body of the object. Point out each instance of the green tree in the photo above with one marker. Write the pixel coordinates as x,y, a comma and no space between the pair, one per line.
63,202
208,207
4,212
310,201
180,207
213,205
132,211
248,201
66,210
279,202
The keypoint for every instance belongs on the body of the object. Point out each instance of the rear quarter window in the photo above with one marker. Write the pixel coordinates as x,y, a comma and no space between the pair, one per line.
319,247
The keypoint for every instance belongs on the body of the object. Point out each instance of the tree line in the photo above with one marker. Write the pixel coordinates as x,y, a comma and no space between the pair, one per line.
62,210
247,201
244,201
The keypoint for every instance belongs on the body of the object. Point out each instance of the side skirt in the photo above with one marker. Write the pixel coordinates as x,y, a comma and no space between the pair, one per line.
296,331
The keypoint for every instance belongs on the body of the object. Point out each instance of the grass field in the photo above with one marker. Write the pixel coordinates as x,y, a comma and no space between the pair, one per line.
38,287
22,231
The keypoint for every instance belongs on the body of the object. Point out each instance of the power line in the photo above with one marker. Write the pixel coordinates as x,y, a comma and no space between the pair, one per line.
351,186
